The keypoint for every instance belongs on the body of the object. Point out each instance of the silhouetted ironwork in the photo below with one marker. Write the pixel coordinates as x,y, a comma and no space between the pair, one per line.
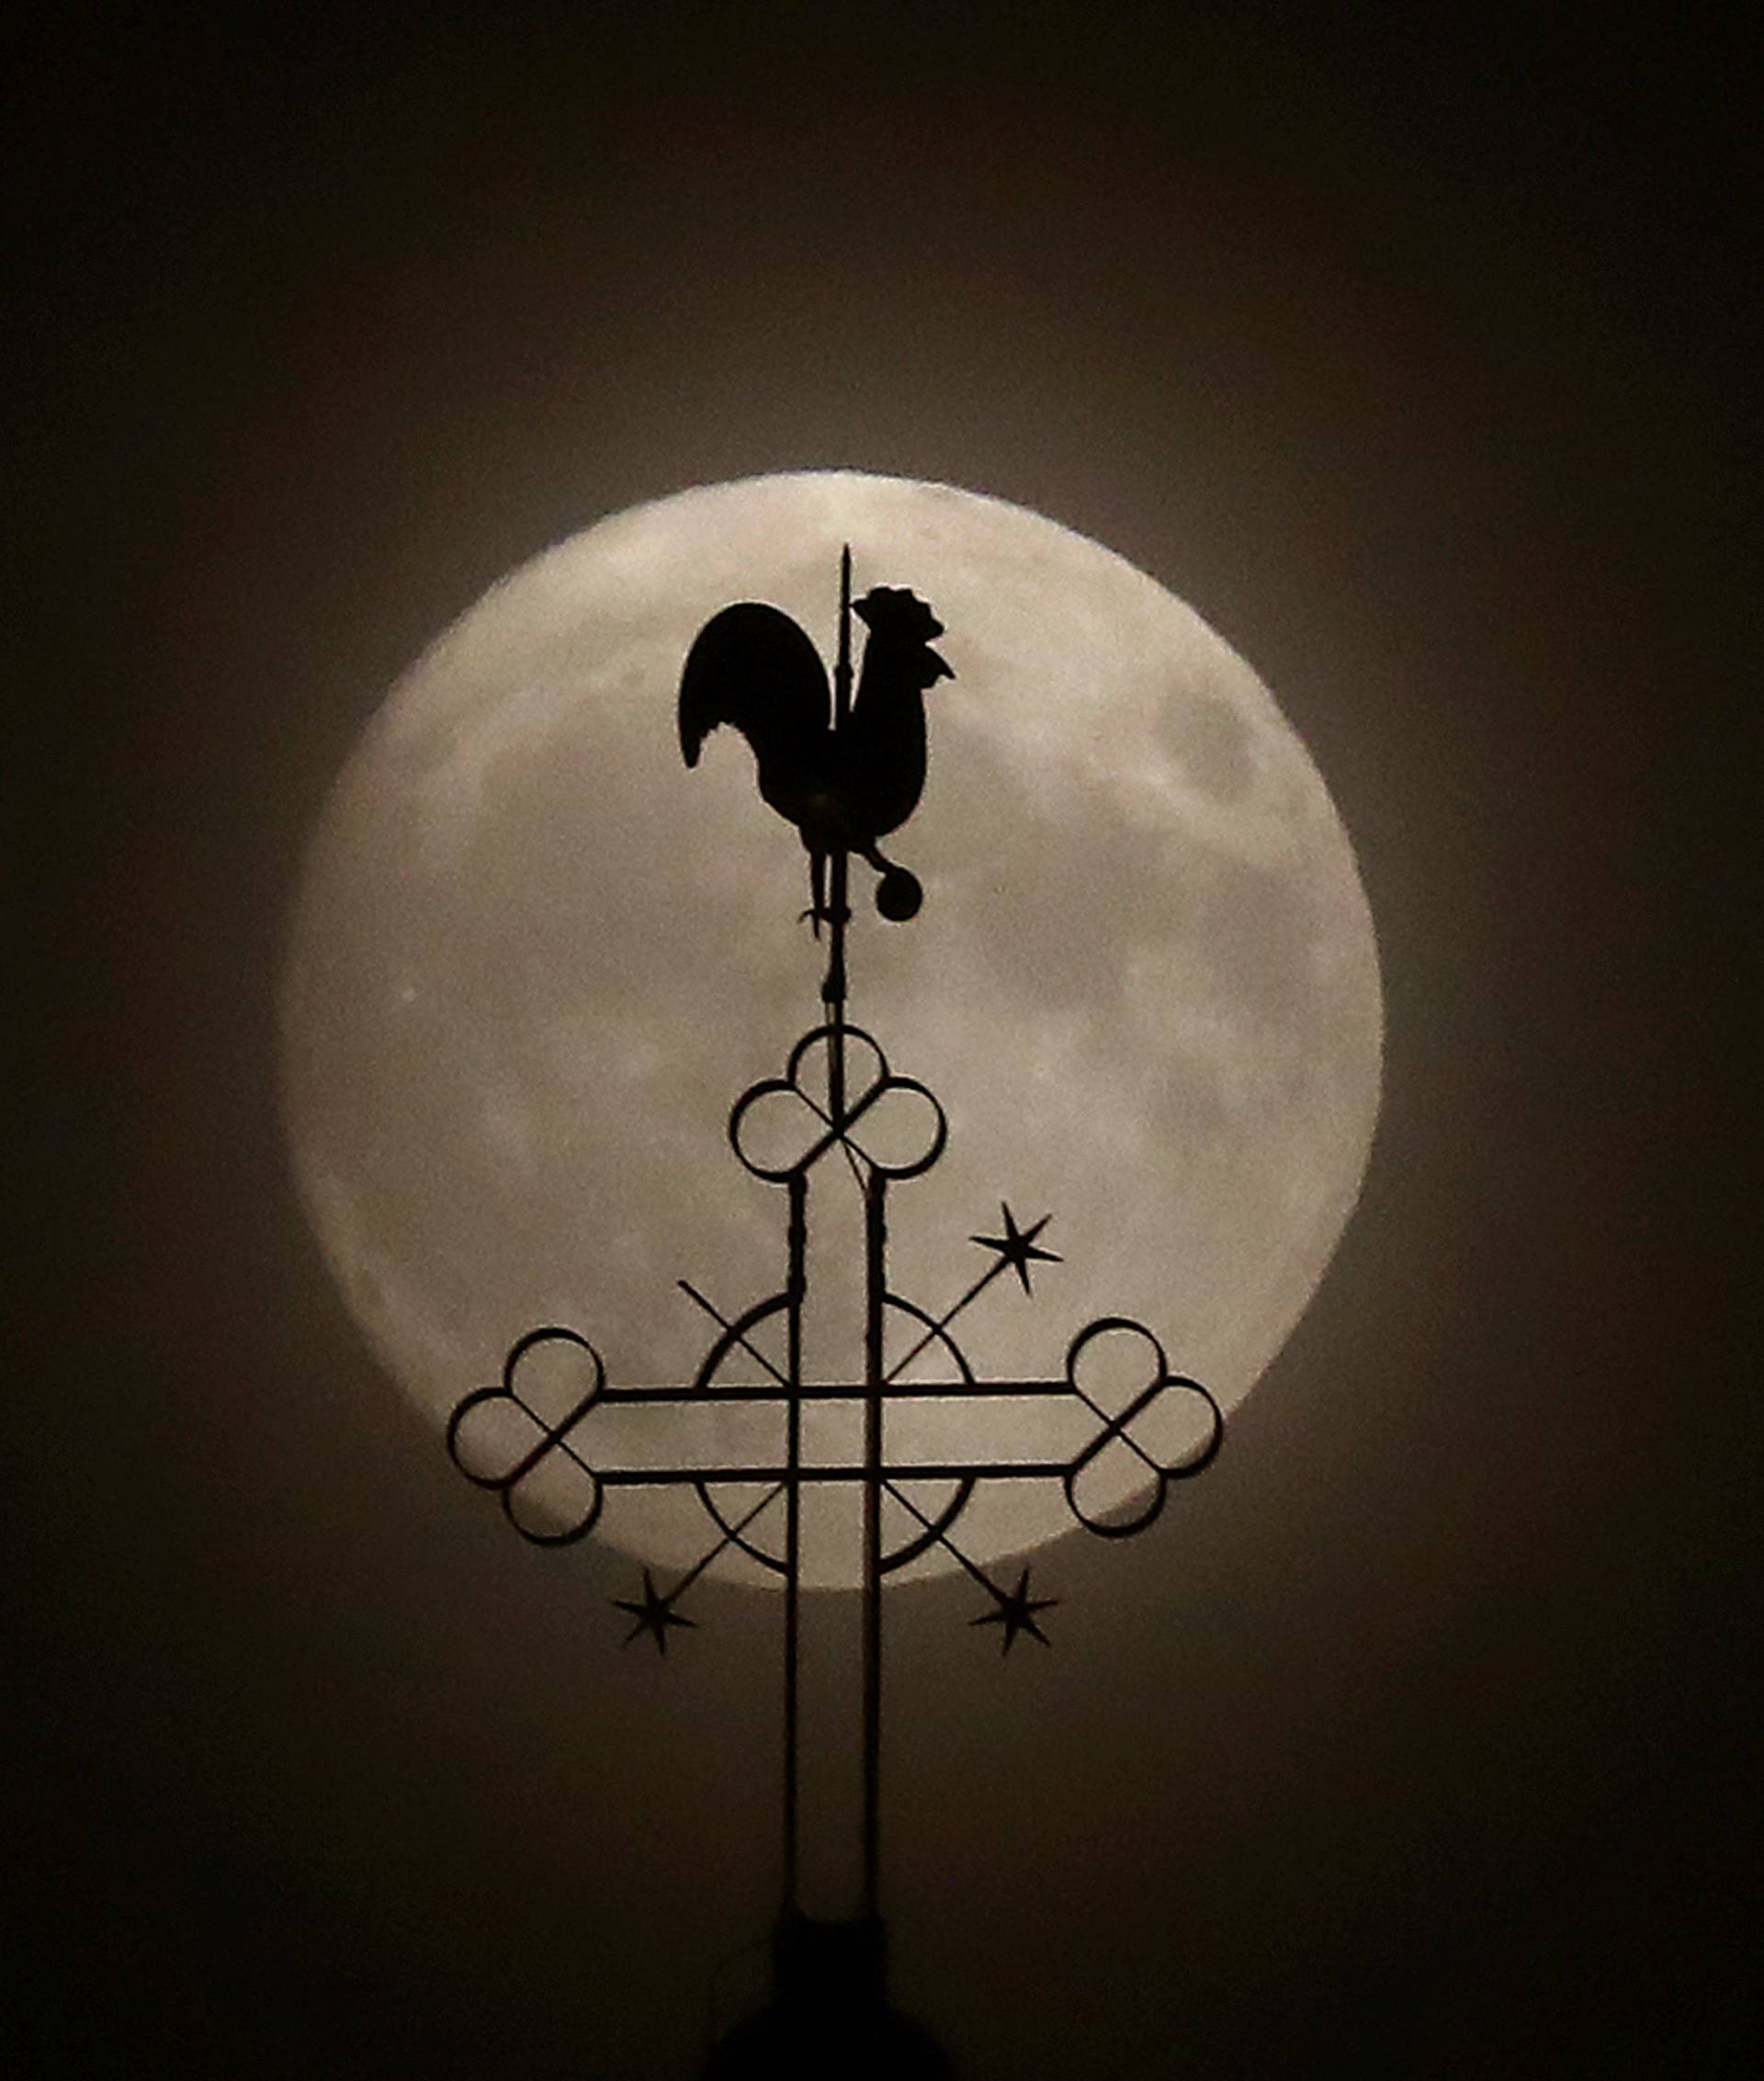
845,773
828,2013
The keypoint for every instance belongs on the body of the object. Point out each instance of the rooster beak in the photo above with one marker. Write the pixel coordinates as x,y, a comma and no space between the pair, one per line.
940,668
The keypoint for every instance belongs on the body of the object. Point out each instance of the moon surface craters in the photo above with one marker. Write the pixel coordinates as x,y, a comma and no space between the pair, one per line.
534,959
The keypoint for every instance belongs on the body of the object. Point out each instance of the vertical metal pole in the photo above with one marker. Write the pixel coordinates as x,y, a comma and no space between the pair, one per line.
876,1286
797,1286
833,989
843,670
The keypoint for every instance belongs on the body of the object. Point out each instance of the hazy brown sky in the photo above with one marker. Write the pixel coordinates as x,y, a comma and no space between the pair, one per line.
1421,1737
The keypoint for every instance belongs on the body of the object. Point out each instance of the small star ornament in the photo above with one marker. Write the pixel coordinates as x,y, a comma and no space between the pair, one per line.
1017,1247
653,1613
1015,1612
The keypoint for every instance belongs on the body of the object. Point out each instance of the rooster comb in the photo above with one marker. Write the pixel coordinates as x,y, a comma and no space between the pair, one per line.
899,611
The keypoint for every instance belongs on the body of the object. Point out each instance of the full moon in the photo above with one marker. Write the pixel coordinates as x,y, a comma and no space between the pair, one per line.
534,960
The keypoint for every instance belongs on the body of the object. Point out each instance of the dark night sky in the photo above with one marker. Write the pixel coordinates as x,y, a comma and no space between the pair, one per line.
1422,1737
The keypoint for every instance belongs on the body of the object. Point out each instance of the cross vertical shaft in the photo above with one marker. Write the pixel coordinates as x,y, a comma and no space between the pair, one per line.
798,1253
876,1288
832,988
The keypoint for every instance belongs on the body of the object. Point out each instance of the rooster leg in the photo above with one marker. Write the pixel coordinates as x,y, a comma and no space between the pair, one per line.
823,908
816,891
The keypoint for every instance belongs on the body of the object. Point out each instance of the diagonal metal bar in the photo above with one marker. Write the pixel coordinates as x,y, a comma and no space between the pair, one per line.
944,1321
728,1539
838,1122
942,1538
833,1115
717,1315
1115,1427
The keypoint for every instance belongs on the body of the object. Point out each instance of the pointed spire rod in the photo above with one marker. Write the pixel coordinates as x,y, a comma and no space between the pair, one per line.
842,674
832,988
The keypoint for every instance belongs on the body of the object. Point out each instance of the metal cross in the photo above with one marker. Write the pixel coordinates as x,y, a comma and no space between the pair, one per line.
837,1111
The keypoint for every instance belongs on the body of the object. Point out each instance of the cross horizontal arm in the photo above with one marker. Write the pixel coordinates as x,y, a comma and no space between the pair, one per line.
835,1391
940,1431
995,1470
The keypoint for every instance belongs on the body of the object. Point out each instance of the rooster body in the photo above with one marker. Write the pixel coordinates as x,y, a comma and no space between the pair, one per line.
843,787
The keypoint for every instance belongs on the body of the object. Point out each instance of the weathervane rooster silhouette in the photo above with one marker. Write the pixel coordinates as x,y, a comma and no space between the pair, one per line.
844,779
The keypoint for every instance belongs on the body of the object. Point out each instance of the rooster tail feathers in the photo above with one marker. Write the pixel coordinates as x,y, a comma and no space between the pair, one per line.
753,667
